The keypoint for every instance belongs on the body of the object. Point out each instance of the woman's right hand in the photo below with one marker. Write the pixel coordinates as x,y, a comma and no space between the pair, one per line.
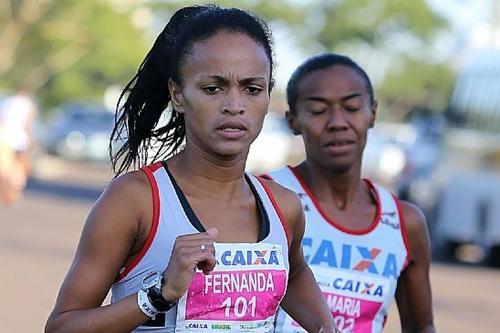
189,253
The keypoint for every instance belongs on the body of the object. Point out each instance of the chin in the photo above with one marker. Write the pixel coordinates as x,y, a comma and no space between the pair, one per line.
338,166
232,150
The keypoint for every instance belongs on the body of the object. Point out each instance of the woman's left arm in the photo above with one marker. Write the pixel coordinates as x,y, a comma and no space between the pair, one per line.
413,294
303,300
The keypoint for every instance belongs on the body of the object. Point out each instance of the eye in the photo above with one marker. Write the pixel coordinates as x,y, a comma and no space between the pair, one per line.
353,104
316,111
211,89
253,90
352,108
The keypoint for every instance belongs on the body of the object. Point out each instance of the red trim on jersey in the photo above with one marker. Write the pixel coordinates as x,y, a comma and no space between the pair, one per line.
402,222
148,170
266,176
342,228
277,209
154,167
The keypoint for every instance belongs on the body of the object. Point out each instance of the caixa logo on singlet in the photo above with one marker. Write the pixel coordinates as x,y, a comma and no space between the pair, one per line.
357,258
244,258
358,287
197,326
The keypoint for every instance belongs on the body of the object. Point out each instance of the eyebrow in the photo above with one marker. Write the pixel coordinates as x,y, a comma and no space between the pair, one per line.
248,80
324,100
223,80
353,95
216,78
315,99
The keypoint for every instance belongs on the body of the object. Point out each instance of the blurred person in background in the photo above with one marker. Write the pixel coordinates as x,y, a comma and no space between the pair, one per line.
165,237
17,114
363,244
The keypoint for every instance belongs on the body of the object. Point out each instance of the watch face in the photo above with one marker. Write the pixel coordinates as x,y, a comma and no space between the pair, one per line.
151,280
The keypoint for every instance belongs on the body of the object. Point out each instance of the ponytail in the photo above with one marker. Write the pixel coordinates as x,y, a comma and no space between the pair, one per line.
147,97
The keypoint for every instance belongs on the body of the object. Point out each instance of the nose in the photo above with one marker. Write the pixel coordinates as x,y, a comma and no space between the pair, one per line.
234,103
337,120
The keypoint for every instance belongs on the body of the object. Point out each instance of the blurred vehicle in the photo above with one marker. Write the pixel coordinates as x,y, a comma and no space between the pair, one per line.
468,224
80,131
272,148
384,158
403,157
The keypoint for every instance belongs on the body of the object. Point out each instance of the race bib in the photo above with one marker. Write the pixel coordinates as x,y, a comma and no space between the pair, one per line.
353,299
241,294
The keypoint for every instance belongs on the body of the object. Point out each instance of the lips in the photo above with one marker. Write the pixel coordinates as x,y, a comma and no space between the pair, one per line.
340,146
339,142
232,129
232,125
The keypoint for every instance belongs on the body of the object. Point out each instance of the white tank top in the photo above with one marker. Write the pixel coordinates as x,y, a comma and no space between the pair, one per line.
15,112
243,292
357,271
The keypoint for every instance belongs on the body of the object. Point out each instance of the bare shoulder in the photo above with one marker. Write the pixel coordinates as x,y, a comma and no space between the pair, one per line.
125,201
129,185
107,241
121,215
414,218
416,230
287,201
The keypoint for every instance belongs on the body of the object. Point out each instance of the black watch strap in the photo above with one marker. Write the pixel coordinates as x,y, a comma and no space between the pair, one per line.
157,300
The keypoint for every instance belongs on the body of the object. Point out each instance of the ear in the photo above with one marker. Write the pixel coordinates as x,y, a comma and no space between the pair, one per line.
291,119
176,96
373,114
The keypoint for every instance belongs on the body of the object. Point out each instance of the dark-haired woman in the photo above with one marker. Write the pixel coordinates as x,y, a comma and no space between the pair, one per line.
363,244
193,243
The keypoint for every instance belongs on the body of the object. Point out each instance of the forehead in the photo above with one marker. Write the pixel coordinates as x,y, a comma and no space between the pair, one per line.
333,82
227,53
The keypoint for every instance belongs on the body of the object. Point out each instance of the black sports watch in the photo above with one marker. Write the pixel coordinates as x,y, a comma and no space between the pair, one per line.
152,284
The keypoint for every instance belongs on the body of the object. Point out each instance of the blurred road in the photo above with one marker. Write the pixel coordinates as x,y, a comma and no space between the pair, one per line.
39,236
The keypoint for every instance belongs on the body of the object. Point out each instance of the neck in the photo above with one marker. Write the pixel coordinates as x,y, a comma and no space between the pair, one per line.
343,189
206,174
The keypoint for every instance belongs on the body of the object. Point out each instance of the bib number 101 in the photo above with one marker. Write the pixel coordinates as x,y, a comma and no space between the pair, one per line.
240,307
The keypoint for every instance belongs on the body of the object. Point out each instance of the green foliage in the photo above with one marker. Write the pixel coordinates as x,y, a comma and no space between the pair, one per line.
371,21
420,84
73,49
68,49
400,30
276,10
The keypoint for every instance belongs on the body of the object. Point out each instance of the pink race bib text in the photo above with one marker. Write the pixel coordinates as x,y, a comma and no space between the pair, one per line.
235,295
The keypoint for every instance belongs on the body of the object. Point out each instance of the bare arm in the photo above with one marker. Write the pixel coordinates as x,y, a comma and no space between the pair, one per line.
303,300
413,294
117,228
106,241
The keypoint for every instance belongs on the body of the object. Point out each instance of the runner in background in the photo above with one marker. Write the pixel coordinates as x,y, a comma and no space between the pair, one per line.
17,113
193,243
363,244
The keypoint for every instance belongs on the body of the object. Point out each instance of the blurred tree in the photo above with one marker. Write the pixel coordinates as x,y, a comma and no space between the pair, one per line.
67,49
275,10
392,37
